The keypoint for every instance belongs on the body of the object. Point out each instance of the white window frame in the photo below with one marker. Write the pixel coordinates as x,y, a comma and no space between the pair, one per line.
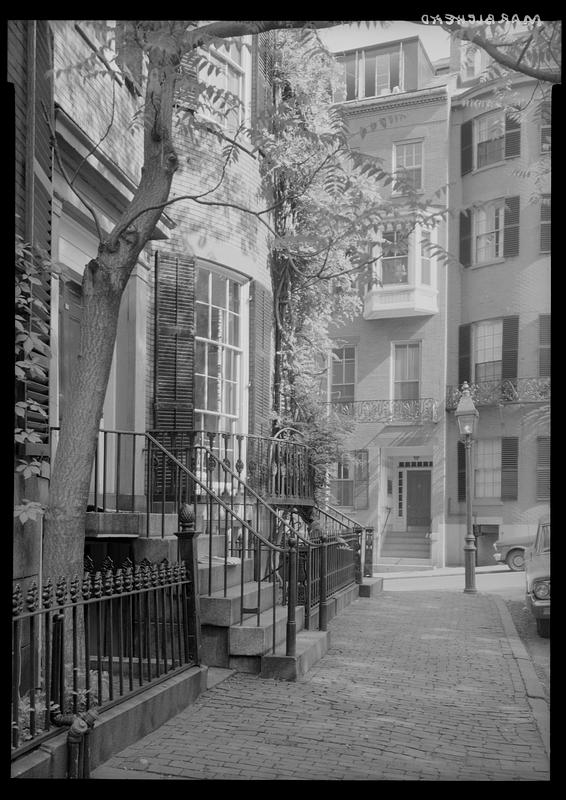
488,232
487,468
228,63
331,394
394,382
545,219
487,343
494,121
236,420
397,166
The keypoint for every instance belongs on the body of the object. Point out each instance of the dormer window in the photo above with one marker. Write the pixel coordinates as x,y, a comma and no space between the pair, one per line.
382,70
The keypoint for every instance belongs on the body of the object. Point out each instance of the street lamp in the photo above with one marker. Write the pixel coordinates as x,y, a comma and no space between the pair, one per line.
467,415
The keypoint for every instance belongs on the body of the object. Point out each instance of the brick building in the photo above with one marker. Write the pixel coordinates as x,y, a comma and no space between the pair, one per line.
426,321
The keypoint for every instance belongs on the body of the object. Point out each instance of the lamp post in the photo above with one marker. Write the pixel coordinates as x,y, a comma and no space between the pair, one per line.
467,415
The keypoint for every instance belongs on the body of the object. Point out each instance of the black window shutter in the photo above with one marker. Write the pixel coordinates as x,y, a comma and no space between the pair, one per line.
512,218
466,147
509,467
545,224
543,468
261,313
461,472
544,346
361,479
512,137
510,348
37,230
464,354
173,398
465,238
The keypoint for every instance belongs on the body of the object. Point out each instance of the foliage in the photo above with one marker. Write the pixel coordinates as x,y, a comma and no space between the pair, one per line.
30,331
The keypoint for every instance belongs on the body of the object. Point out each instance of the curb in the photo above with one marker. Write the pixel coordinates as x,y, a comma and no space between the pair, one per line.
533,687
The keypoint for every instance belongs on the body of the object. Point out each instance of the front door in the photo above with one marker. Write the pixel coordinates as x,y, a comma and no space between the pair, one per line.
418,498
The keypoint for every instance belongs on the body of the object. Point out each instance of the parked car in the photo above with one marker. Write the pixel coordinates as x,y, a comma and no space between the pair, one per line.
512,551
537,576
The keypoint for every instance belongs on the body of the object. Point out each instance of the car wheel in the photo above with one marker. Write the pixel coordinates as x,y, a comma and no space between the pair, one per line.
516,560
543,628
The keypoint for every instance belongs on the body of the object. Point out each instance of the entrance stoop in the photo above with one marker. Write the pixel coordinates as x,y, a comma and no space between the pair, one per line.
310,647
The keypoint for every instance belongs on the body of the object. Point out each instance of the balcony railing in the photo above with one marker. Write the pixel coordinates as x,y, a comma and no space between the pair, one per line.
493,393
391,412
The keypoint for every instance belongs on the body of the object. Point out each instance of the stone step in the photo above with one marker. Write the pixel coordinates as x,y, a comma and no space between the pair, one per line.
217,609
311,646
250,639
233,573
410,552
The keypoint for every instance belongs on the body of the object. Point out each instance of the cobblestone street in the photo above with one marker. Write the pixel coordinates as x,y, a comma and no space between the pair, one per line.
415,686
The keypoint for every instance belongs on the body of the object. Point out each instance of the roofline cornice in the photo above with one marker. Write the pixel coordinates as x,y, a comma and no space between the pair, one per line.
380,104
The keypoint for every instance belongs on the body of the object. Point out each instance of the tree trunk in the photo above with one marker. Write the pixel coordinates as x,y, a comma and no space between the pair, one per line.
104,281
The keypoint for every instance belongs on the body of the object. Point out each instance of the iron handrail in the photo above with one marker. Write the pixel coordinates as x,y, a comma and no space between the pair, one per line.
214,496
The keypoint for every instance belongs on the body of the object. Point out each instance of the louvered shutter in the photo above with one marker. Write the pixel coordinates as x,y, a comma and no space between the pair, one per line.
512,218
262,75
261,314
36,97
543,468
544,346
464,354
509,467
173,342
461,472
512,136
466,147
545,224
465,238
510,348
361,479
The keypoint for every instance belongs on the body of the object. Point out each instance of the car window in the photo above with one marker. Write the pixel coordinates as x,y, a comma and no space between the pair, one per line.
543,539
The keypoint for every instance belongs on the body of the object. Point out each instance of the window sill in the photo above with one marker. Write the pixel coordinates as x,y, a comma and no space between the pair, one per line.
492,262
487,501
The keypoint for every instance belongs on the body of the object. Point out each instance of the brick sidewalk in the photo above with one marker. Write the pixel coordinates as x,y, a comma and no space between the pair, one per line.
415,686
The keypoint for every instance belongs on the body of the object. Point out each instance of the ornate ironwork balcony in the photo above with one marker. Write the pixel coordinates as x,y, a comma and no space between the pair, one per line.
391,412
494,393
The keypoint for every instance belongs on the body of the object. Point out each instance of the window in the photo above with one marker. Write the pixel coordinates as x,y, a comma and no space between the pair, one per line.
490,232
408,158
370,73
544,346
543,468
406,375
473,62
343,374
489,350
545,127
487,474
496,468
395,258
489,139
425,258
545,220
350,485
228,76
217,351
488,342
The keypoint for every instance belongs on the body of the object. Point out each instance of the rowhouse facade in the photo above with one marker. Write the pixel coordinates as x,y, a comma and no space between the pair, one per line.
429,324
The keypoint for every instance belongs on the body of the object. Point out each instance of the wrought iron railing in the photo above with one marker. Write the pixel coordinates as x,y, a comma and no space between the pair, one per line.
502,392
95,641
388,411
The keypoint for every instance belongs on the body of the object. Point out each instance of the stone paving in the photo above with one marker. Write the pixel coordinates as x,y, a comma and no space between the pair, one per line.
415,686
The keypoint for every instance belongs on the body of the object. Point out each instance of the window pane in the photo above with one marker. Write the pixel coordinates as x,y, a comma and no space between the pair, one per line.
212,387
370,76
200,354
202,276
199,391
218,291
202,321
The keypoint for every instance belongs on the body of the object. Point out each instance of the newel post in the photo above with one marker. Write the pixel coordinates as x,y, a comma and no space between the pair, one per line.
188,552
368,553
291,647
323,604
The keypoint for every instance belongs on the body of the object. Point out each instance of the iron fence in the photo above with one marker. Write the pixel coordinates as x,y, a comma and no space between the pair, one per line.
93,642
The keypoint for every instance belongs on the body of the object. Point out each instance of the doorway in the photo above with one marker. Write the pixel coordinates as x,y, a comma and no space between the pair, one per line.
418,498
